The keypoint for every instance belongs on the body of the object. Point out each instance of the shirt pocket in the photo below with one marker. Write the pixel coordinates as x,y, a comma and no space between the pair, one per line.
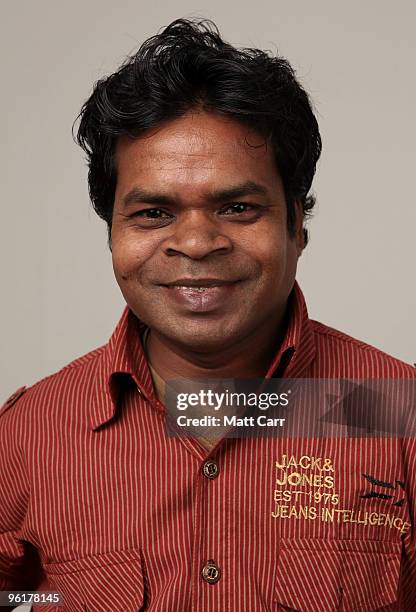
315,575
99,583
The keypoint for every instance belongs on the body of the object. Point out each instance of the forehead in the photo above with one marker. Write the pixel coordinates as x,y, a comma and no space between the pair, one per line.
196,142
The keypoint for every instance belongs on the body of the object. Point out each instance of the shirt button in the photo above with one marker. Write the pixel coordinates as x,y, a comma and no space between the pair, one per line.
211,573
210,469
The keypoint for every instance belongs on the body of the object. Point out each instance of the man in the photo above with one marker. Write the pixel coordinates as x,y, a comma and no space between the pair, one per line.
201,159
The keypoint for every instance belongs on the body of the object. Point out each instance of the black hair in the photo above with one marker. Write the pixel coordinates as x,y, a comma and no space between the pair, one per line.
189,65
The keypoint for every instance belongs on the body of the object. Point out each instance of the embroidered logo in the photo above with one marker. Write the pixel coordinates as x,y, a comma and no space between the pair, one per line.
305,489
399,484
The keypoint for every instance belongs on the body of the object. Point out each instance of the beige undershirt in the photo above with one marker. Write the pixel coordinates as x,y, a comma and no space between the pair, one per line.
159,386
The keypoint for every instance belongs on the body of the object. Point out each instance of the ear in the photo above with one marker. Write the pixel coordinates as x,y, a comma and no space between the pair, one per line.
299,229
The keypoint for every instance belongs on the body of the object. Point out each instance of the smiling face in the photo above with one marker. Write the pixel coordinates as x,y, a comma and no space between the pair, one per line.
200,244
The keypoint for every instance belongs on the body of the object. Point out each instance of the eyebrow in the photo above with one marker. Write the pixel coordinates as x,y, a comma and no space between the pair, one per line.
238,191
138,194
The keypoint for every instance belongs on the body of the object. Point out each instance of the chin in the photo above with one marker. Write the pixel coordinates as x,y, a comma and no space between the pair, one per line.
201,337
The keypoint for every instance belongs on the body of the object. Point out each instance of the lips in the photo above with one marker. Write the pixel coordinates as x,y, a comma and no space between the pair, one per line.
200,295
199,282
192,288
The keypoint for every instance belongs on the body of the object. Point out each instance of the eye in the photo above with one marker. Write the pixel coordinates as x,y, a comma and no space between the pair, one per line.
239,209
151,218
152,213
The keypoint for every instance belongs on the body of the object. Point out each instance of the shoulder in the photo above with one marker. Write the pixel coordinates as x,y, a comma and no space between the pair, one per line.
355,358
80,371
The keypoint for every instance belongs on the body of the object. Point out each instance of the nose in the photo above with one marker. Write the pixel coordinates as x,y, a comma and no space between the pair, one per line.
196,235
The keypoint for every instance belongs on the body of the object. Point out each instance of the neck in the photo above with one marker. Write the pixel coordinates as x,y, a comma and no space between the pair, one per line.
249,358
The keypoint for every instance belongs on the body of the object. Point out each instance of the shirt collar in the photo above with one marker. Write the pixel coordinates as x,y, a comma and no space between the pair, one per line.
123,357
297,349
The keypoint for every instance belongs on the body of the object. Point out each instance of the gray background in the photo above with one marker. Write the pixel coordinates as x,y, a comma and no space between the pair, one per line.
60,299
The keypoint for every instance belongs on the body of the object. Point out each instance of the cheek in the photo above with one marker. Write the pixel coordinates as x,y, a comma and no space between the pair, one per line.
271,251
130,254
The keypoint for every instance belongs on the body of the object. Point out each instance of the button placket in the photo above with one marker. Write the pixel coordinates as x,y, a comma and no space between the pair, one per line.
207,570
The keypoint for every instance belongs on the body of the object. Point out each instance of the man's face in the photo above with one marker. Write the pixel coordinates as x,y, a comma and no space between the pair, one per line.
200,244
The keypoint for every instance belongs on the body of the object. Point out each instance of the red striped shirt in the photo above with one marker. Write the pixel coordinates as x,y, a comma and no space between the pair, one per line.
117,516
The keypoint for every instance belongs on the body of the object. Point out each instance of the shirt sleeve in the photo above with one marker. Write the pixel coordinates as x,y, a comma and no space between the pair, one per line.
19,569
